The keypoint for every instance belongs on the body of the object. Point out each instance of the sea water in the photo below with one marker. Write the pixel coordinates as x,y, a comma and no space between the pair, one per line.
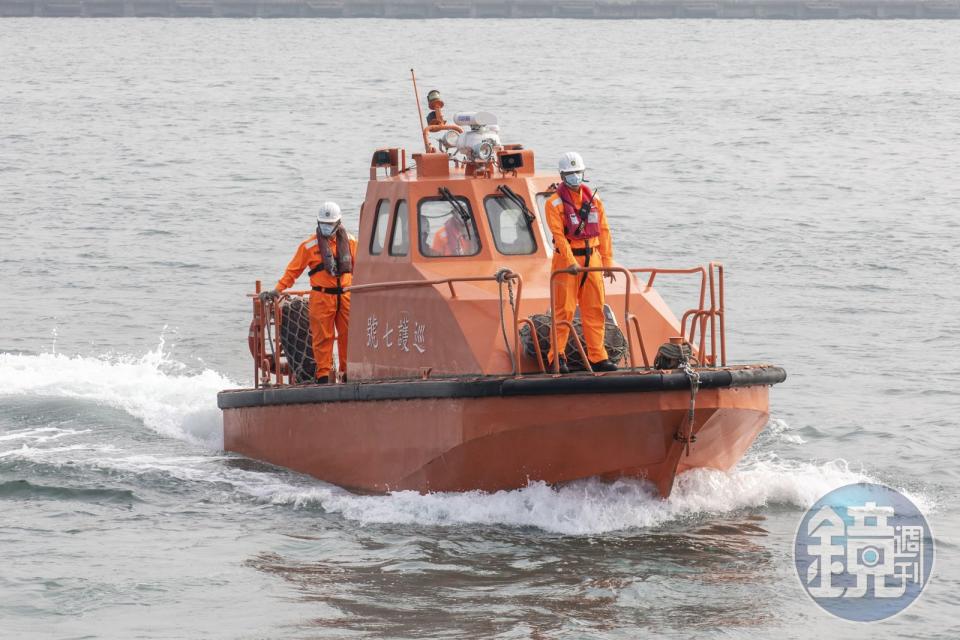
152,170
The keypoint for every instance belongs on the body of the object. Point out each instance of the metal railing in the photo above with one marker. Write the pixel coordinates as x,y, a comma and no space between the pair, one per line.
271,368
698,316
715,313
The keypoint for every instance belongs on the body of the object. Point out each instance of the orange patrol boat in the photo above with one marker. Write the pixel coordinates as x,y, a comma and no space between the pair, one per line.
447,386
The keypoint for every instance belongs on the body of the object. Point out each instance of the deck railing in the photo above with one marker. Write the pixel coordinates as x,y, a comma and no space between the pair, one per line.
269,364
711,281
698,316
272,369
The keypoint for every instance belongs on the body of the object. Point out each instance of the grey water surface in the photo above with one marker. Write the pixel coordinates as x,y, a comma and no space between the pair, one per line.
152,170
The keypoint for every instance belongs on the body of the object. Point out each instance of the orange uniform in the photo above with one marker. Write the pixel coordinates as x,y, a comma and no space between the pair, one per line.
329,310
452,240
567,290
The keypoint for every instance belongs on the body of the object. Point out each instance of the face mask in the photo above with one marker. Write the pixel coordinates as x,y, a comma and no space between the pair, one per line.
327,228
573,180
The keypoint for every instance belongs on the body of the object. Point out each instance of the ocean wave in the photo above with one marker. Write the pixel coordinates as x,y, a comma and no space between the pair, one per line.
181,404
778,430
587,507
153,388
41,434
24,490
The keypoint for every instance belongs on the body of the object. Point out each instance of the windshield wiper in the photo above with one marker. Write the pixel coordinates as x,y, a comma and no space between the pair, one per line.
520,202
461,210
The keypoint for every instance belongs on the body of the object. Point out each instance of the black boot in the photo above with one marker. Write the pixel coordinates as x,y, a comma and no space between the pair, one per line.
563,366
603,365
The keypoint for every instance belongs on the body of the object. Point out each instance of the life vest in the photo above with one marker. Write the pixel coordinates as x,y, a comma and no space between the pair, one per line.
334,265
582,223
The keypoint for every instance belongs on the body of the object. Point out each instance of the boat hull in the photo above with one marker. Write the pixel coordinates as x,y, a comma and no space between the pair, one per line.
501,438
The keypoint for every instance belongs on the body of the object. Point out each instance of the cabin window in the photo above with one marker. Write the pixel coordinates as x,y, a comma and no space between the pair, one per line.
542,214
511,232
381,224
400,239
444,232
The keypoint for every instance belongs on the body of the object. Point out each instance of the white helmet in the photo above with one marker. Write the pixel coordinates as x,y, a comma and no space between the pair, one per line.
571,161
329,213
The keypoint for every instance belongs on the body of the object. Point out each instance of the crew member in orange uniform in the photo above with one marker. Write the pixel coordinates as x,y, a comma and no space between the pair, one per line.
453,239
329,255
581,237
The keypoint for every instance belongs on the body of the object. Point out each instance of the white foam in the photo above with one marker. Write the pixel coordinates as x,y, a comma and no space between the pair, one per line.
41,434
56,455
180,404
153,388
779,430
586,507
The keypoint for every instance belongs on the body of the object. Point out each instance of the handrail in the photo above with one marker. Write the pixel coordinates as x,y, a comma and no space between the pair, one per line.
701,313
710,275
380,286
433,128
723,315
643,350
536,338
262,374
706,276
654,271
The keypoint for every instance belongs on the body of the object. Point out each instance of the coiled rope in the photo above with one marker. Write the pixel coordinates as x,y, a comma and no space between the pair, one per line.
694,377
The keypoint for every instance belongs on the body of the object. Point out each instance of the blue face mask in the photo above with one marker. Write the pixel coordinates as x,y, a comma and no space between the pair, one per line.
573,180
327,228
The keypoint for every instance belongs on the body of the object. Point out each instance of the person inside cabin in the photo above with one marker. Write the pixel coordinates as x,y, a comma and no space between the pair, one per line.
453,238
329,256
425,245
581,238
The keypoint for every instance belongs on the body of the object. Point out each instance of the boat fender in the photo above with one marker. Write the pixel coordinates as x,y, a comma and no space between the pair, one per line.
295,338
671,356
613,340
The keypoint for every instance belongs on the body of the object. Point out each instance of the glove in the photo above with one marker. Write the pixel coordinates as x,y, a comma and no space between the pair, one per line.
273,294
610,276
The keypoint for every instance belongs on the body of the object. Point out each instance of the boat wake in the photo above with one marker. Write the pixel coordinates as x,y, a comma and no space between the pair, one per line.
590,507
153,388
179,404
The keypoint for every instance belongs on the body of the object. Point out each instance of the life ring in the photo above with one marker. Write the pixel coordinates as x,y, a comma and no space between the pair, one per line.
268,363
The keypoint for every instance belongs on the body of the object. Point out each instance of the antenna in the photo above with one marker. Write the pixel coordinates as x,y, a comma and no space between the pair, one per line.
423,126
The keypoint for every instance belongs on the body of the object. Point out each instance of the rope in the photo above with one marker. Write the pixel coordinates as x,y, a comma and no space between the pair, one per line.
694,379
267,309
502,275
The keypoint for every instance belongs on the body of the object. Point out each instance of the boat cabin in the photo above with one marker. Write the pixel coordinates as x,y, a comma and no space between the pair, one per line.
454,255
439,219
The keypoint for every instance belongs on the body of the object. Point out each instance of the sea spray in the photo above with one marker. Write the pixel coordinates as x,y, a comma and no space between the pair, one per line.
585,507
588,507
153,388
181,404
